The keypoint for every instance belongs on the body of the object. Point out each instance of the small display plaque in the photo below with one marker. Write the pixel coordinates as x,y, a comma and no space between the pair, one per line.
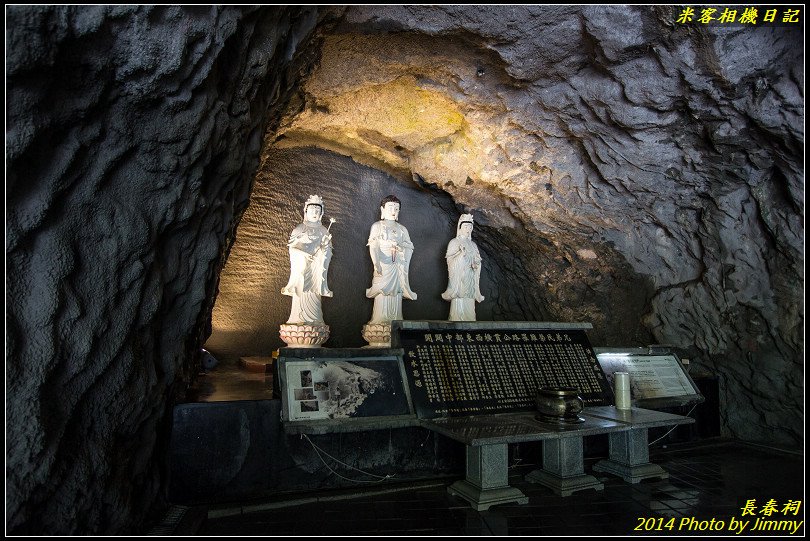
324,388
651,376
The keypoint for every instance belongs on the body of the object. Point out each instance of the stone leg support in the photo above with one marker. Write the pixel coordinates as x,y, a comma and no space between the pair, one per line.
564,468
487,481
630,457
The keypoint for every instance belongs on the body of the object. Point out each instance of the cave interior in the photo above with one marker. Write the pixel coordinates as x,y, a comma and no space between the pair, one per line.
623,170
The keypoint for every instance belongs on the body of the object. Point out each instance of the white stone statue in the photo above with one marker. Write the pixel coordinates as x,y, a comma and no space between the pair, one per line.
390,248
310,247
464,270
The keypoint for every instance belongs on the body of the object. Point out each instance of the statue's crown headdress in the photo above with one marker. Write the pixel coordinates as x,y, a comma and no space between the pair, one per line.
314,200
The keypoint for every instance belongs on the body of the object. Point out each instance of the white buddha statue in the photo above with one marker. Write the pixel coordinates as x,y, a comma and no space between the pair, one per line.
310,247
464,272
391,249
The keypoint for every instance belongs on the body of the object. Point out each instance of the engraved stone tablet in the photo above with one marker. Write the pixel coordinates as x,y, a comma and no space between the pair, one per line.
456,369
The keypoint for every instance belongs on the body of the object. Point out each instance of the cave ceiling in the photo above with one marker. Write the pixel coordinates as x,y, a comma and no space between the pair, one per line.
582,125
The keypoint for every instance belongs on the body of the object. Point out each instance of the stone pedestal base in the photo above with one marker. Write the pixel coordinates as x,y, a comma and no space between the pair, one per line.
378,335
564,486
482,499
630,457
631,474
563,468
487,481
298,335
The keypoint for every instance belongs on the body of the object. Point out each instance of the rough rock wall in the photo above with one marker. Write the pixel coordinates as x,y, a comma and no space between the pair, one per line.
649,173
132,134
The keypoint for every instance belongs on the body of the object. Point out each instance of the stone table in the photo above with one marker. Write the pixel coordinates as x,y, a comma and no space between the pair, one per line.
487,438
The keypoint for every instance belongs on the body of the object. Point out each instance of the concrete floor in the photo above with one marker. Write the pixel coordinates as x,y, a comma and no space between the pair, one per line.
709,485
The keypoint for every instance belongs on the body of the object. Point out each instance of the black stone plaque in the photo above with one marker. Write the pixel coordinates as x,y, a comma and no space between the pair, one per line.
476,371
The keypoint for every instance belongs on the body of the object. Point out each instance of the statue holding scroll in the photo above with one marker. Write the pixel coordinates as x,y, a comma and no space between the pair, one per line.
391,249
464,272
310,248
